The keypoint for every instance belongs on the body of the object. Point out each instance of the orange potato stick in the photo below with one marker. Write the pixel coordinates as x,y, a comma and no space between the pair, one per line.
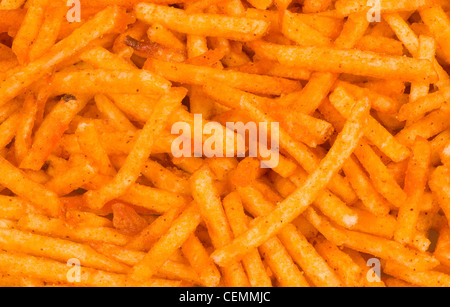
373,245
29,30
296,203
160,252
23,141
421,106
380,44
51,131
423,279
272,68
382,179
427,127
361,63
304,35
8,129
48,32
252,262
117,82
349,272
56,272
236,28
437,146
198,257
201,75
347,7
112,113
300,152
59,228
13,208
438,23
206,195
73,178
149,235
313,6
415,184
111,19
10,108
15,180
363,187
170,269
89,140
161,35
440,184
130,171
57,249
374,131
304,254
442,251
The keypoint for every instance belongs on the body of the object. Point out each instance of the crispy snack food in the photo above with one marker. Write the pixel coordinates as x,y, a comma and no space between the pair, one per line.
258,143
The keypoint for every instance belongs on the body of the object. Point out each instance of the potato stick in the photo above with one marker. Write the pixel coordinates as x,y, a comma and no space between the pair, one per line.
376,246
379,102
200,75
261,4
272,68
380,44
58,228
411,41
89,140
15,180
170,269
440,183
200,261
57,249
13,208
300,152
312,6
297,245
329,204
392,282
415,183
304,35
11,4
424,279
381,226
57,272
72,179
363,187
427,127
48,32
347,7
252,262
438,23
140,153
445,155
110,20
113,114
442,246
165,178
154,231
349,272
156,200
236,28
117,82
438,145
89,219
161,35
297,202
23,141
29,30
374,131
279,261
51,131
427,51
97,57
137,107
178,233
8,129
382,180
206,195
361,63
362,263
10,108
421,106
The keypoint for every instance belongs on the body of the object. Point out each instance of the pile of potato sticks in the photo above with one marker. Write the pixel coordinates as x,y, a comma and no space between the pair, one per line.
88,175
